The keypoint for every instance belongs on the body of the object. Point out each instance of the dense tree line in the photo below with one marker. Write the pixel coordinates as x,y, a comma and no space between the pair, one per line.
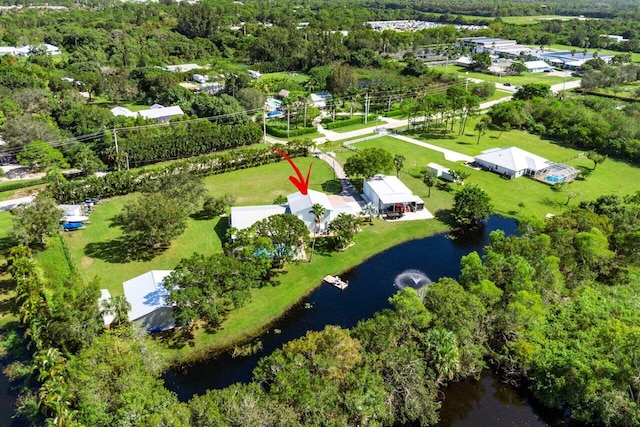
587,123
143,146
125,182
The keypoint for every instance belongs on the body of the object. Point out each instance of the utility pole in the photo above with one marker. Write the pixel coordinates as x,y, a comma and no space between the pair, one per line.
115,140
366,107
264,125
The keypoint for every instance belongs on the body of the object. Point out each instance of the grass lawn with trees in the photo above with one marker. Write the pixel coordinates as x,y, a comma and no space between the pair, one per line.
522,195
269,303
98,251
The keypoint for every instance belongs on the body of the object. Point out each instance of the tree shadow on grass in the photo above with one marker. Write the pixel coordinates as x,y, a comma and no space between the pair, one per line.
465,143
177,338
6,243
332,186
446,216
221,227
8,305
547,201
201,216
121,251
324,246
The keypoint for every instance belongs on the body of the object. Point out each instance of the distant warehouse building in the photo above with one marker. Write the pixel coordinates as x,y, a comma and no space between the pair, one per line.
537,66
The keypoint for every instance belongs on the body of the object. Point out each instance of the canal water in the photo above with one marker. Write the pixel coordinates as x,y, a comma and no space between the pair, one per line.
470,403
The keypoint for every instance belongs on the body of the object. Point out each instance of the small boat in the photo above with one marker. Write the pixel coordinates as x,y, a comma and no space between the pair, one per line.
70,226
336,281
75,218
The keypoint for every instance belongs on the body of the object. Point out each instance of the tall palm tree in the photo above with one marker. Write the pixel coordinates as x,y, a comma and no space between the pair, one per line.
430,179
318,212
442,347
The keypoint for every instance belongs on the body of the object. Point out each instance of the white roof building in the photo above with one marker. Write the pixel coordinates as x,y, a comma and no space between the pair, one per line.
512,161
320,99
8,50
122,111
161,113
156,111
299,205
536,66
182,68
388,191
243,217
147,297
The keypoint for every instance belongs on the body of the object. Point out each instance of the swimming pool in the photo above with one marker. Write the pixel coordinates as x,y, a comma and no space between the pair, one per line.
555,178
273,104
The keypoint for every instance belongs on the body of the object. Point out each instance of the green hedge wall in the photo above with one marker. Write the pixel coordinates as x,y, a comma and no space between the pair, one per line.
341,122
180,140
125,182
280,132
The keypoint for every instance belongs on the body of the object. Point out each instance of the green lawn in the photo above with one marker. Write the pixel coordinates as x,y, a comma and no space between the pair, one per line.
525,20
372,124
269,303
97,250
627,91
522,195
296,77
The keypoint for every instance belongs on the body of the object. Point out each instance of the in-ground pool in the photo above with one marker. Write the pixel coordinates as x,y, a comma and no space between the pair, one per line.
273,104
555,178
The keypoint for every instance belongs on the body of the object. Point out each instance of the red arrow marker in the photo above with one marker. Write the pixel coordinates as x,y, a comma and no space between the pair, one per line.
301,184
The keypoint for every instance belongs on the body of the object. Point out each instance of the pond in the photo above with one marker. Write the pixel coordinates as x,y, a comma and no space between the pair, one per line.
370,286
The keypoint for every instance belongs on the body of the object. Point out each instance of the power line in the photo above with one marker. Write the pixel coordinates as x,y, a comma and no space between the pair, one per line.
373,96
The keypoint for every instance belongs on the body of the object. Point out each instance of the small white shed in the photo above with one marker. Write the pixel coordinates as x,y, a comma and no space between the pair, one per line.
440,171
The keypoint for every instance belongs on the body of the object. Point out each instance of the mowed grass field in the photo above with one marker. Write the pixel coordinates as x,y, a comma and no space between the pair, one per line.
98,250
521,196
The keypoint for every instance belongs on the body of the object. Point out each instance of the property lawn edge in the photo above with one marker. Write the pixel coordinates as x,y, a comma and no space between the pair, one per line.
348,259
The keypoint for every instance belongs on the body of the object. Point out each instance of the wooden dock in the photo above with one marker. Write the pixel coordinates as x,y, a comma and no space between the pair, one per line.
336,281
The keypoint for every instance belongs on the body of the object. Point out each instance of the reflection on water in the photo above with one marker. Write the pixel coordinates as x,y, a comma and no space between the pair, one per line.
489,403
370,286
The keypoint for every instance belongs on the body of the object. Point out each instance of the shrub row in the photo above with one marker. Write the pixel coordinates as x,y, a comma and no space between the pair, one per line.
125,182
394,113
149,145
342,121
280,132
17,185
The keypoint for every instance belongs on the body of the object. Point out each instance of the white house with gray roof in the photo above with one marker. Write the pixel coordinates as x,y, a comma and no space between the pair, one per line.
299,205
512,162
147,297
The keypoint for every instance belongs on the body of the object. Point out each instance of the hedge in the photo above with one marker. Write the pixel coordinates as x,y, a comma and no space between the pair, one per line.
394,113
280,132
342,122
125,182
180,140
17,185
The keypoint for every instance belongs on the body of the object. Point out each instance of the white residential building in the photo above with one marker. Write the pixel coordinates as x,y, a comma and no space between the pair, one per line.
157,112
147,298
388,193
